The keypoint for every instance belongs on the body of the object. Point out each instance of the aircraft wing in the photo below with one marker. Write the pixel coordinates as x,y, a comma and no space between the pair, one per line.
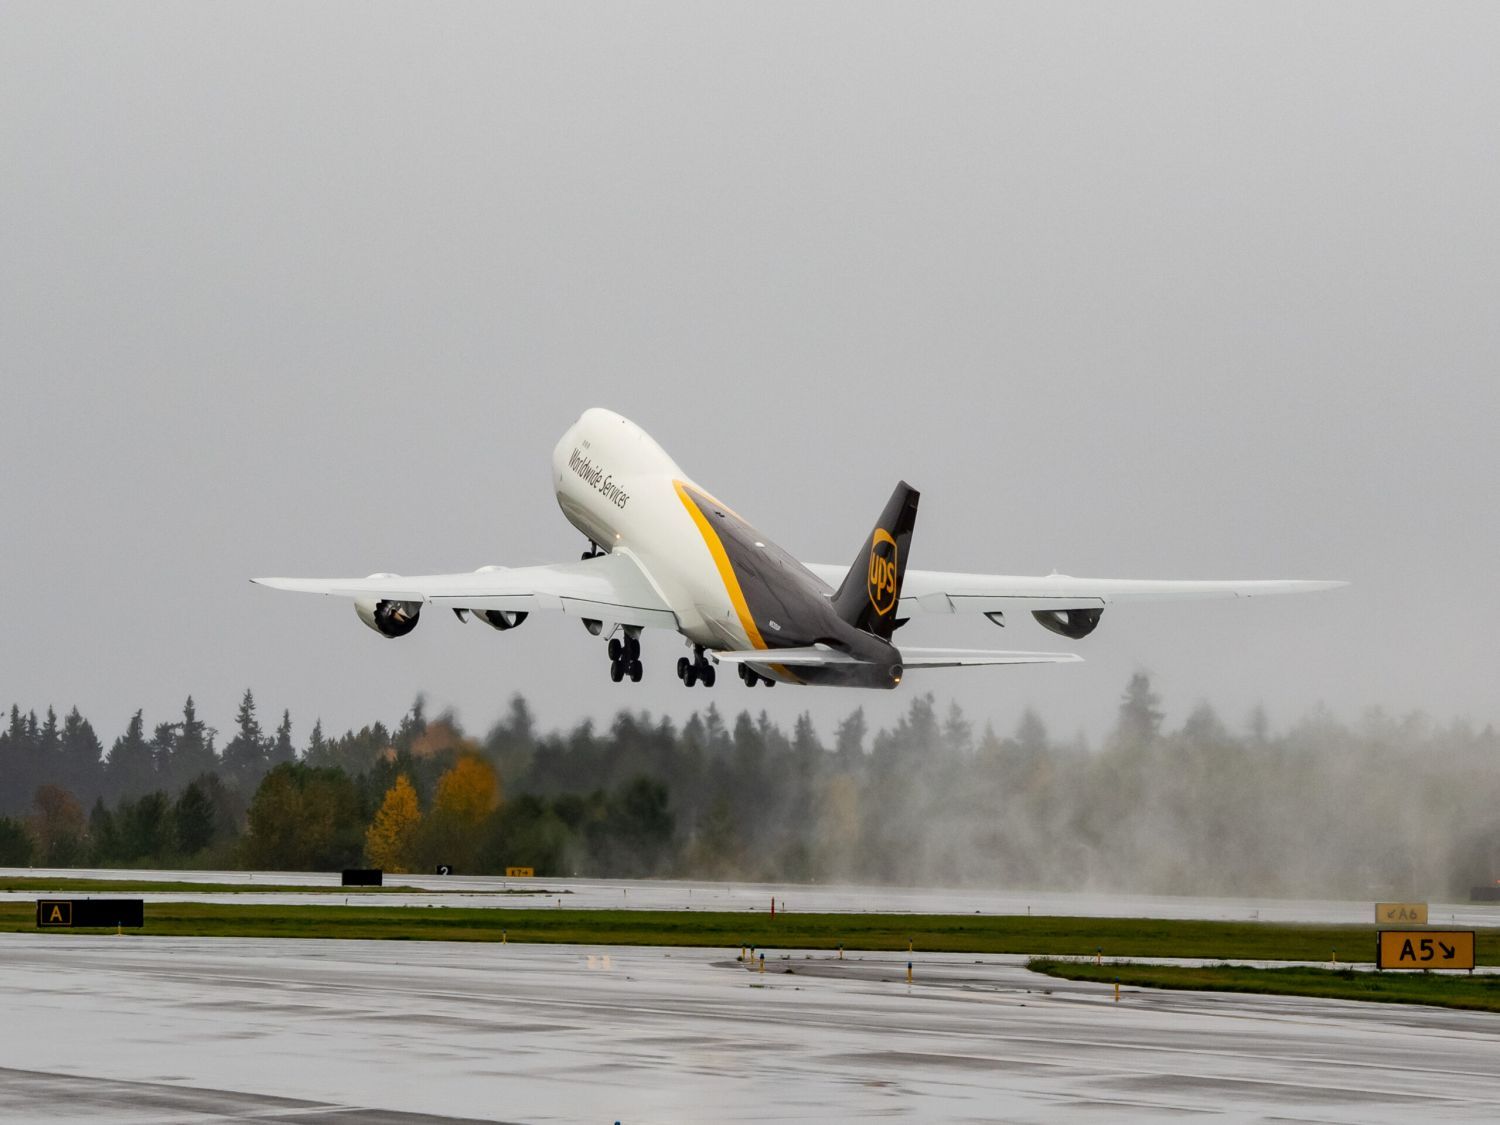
935,591
823,656
609,587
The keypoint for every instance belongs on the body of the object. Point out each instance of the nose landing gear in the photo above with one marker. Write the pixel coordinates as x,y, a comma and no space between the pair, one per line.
625,658
698,670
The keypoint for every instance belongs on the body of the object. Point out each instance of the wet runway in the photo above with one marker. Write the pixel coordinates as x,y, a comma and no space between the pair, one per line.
667,894
137,1029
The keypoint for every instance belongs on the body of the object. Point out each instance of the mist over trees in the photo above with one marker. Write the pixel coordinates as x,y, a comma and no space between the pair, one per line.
1383,807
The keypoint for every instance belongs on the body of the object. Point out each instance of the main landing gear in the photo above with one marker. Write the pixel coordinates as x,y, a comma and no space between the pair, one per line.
752,677
593,552
698,670
625,658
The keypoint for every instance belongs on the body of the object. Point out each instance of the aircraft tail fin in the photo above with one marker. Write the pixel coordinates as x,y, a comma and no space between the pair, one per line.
868,596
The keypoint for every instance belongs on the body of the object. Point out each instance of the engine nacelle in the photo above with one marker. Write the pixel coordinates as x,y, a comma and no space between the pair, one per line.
501,619
388,618
1074,624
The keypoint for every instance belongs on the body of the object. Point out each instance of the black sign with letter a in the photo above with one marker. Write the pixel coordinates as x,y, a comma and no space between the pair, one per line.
89,913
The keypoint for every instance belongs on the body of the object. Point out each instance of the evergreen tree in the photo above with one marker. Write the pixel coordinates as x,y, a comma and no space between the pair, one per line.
282,750
805,742
16,845
18,774
413,725
317,746
193,820
144,827
80,769
104,841
130,769
1139,723
193,751
244,761
164,750
48,748
849,738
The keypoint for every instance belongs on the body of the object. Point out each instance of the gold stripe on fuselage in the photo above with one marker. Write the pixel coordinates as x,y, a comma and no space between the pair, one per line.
721,560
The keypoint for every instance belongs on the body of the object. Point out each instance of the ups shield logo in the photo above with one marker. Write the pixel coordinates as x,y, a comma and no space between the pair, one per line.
882,579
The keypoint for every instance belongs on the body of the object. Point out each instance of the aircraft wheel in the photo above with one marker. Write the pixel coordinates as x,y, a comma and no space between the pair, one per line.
690,676
682,668
616,671
615,648
635,671
708,675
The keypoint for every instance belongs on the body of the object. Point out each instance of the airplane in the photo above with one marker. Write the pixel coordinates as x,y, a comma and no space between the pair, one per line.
665,553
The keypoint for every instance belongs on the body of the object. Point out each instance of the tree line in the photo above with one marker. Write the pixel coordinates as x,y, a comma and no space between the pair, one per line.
1383,806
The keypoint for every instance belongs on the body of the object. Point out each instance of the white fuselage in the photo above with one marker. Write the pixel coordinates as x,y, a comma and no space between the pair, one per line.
618,487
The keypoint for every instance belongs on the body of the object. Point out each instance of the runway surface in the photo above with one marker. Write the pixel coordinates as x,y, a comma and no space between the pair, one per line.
137,1029
665,894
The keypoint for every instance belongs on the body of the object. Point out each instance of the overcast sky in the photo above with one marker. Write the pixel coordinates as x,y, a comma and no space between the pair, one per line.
1180,290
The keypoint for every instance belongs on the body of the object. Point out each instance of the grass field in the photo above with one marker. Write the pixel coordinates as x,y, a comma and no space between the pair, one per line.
1447,990
127,886
964,933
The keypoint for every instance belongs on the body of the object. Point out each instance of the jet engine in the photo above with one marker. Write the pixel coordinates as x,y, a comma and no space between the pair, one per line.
501,619
1072,623
388,618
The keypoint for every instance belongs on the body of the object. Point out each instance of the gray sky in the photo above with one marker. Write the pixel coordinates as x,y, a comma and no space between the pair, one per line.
1176,290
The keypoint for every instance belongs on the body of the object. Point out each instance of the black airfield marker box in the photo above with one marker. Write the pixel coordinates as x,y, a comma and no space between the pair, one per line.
363,877
86,913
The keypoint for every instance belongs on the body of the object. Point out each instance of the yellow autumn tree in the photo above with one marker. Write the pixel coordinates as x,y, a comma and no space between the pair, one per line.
466,794
469,791
392,834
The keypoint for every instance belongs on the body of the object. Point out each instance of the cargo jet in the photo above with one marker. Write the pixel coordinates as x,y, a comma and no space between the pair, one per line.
665,553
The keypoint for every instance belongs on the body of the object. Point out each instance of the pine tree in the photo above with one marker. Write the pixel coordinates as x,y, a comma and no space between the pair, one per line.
849,738
1140,718
164,751
317,746
413,725
79,752
193,752
193,820
805,742
17,761
130,769
245,754
388,843
282,749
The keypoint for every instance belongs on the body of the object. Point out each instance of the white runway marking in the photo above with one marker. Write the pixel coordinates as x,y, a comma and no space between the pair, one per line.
199,1030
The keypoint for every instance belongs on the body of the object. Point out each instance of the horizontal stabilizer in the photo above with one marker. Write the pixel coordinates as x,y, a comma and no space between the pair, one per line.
964,657
814,655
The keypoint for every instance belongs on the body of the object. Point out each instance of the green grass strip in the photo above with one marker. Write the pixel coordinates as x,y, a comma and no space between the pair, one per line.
1446,990
929,933
54,887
